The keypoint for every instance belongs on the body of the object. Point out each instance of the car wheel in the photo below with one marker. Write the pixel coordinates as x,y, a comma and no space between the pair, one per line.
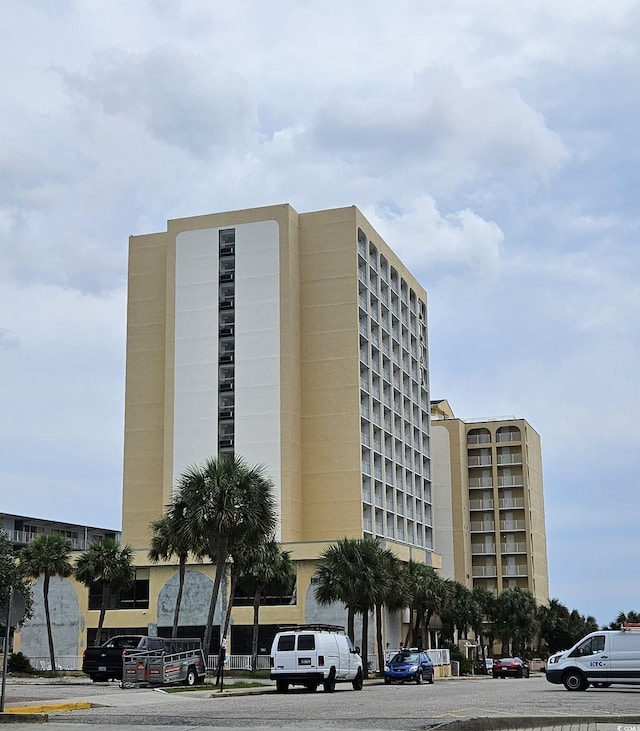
191,678
282,686
419,677
431,679
358,681
574,680
329,684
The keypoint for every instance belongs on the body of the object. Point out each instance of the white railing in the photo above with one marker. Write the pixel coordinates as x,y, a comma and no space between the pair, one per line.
514,570
480,504
478,550
479,571
74,662
511,502
239,662
513,547
510,525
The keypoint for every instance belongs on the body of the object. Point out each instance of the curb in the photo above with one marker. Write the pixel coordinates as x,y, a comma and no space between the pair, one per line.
487,723
47,708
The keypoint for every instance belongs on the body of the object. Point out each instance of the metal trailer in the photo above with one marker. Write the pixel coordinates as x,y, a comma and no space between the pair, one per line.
157,667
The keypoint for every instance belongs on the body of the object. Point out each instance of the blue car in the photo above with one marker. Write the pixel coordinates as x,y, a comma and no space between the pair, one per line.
412,665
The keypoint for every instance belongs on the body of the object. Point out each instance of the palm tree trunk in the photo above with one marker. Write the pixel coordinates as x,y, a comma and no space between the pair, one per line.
351,622
47,616
221,566
365,642
103,611
176,612
254,638
379,638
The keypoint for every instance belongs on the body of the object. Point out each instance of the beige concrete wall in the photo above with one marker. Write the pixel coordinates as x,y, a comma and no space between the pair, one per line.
331,467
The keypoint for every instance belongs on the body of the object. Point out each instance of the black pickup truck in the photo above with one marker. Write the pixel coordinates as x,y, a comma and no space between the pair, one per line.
105,662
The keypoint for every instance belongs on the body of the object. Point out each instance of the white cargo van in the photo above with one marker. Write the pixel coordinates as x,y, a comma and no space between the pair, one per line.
599,659
310,654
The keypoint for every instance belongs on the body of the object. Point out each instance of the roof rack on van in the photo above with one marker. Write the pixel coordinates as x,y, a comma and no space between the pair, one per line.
627,626
316,627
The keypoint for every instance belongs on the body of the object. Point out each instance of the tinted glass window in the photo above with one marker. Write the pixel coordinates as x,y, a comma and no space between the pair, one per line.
306,642
286,642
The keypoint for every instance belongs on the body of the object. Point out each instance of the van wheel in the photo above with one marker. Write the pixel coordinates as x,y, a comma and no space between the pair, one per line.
574,680
311,687
282,686
431,679
329,684
191,678
358,682
419,677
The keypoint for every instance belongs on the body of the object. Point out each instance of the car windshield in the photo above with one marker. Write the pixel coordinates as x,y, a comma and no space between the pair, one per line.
406,657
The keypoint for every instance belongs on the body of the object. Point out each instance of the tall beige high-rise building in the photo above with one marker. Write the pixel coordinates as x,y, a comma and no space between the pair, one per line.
299,342
489,502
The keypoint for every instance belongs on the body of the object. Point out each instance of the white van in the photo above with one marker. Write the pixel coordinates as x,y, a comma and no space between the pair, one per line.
310,654
599,659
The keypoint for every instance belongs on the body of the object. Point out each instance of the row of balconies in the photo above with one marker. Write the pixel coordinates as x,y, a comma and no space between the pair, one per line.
489,526
503,504
502,459
506,571
503,481
501,437
484,549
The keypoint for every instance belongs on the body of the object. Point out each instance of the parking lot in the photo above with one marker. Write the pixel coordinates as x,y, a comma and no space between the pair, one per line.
401,707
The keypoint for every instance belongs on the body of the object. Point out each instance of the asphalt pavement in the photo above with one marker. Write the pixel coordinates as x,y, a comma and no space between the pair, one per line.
57,702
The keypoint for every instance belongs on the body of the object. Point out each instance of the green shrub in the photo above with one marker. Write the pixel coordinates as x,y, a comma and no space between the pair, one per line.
19,663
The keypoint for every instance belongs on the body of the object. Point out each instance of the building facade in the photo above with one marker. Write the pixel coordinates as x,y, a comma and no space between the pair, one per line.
490,502
299,342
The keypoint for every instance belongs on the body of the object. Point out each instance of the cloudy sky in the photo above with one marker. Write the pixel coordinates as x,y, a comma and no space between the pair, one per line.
492,143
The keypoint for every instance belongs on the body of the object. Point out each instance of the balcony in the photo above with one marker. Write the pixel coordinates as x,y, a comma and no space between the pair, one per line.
478,438
518,547
225,331
227,249
508,459
481,504
225,358
225,443
226,276
483,526
511,502
227,304
479,461
482,571
482,549
512,525
226,386
225,414
519,570
480,482
510,481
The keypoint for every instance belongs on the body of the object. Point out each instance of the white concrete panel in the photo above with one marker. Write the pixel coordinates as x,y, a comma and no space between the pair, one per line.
441,494
257,343
195,426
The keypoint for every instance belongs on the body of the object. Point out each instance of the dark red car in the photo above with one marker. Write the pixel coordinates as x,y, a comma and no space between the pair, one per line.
510,667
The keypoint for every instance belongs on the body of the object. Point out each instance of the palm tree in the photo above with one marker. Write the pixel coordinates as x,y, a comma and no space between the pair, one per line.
47,555
482,603
168,540
429,594
266,566
392,594
356,572
515,619
105,563
336,576
224,501
12,577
